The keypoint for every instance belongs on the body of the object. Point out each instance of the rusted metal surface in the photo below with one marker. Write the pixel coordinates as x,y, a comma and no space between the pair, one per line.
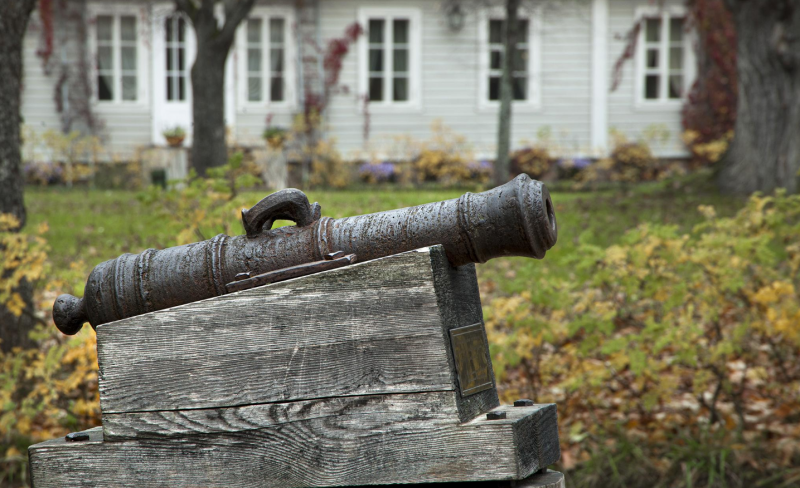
515,219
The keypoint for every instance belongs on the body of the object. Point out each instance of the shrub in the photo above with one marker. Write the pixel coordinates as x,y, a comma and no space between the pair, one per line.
633,161
444,158
535,161
686,347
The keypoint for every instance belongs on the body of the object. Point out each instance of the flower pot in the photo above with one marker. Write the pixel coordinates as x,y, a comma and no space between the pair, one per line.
175,141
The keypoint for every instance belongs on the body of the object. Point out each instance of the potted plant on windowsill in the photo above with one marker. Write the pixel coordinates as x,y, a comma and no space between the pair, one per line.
174,136
275,137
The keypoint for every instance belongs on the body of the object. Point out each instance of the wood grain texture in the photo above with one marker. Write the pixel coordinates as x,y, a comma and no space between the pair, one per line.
351,445
459,303
371,328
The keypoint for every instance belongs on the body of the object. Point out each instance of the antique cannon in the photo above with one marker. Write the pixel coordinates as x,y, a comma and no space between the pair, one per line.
515,219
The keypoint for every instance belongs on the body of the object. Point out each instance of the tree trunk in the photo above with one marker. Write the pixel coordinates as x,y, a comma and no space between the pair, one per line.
765,152
208,76
208,104
501,164
14,15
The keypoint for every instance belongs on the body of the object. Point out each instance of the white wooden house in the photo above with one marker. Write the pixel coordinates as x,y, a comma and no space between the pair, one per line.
418,61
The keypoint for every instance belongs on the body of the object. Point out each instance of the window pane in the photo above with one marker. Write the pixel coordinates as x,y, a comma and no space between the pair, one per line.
168,30
652,30
652,58
522,30
254,89
400,60
400,31
676,86
494,88
376,60
128,58
129,87
181,29
400,89
376,89
181,62
651,83
276,89
520,60
496,31
375,31
276,60
104,26
254,31
276,31
170,62
519,86
254,60
181,88
496,60
104,58
676,58
170,88
104,87
676,30
127,28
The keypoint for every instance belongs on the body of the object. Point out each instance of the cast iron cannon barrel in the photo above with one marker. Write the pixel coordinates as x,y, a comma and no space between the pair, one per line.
515,219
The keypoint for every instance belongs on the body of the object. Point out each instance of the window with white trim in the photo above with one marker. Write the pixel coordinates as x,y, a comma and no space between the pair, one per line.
116,43
266,59
525,59
519,60
390,50
175,45
664,56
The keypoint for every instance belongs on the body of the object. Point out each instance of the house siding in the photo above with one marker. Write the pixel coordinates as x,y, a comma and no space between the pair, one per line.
623,114
449,82
449,86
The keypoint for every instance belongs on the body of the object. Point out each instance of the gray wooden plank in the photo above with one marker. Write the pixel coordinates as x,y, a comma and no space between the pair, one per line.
373,327
434,406
354,448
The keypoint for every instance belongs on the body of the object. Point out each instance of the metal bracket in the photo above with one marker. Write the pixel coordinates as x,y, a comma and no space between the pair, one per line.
332,261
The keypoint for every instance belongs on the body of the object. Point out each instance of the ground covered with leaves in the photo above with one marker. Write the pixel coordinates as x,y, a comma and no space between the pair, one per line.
664,323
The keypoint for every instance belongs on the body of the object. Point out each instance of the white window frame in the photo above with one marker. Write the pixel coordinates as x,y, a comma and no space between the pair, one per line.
689,59
534,41
289,101
414,102
94,10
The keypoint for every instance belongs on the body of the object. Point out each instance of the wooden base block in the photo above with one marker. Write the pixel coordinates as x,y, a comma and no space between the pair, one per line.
352,446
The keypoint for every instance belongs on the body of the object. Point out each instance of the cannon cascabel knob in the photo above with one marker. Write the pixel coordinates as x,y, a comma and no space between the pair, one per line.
69,314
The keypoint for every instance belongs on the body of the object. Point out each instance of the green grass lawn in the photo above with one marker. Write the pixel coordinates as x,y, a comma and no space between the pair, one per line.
96,225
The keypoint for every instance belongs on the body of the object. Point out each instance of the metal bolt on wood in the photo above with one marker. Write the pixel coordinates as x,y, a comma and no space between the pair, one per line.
523,402
495,416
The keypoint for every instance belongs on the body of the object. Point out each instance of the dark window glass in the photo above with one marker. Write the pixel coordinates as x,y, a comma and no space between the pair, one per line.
651,84
276,89
376,60
519,86
652,58
494,88
129,88
181,88
676,86
376,89
400,60
276,60
676,58
652,30
496,31
254,89
376,31
496,60
104,87
676,29
400,89
400,31
276,31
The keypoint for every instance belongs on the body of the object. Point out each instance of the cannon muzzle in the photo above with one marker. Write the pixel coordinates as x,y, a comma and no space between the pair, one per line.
515,219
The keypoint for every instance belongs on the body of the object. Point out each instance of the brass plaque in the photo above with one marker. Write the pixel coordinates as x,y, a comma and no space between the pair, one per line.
471,354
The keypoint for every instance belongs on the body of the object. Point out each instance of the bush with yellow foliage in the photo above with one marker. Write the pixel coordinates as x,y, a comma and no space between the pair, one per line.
679,351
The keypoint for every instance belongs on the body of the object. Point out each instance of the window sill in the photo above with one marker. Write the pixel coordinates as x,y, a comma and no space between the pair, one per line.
107,107
260,107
